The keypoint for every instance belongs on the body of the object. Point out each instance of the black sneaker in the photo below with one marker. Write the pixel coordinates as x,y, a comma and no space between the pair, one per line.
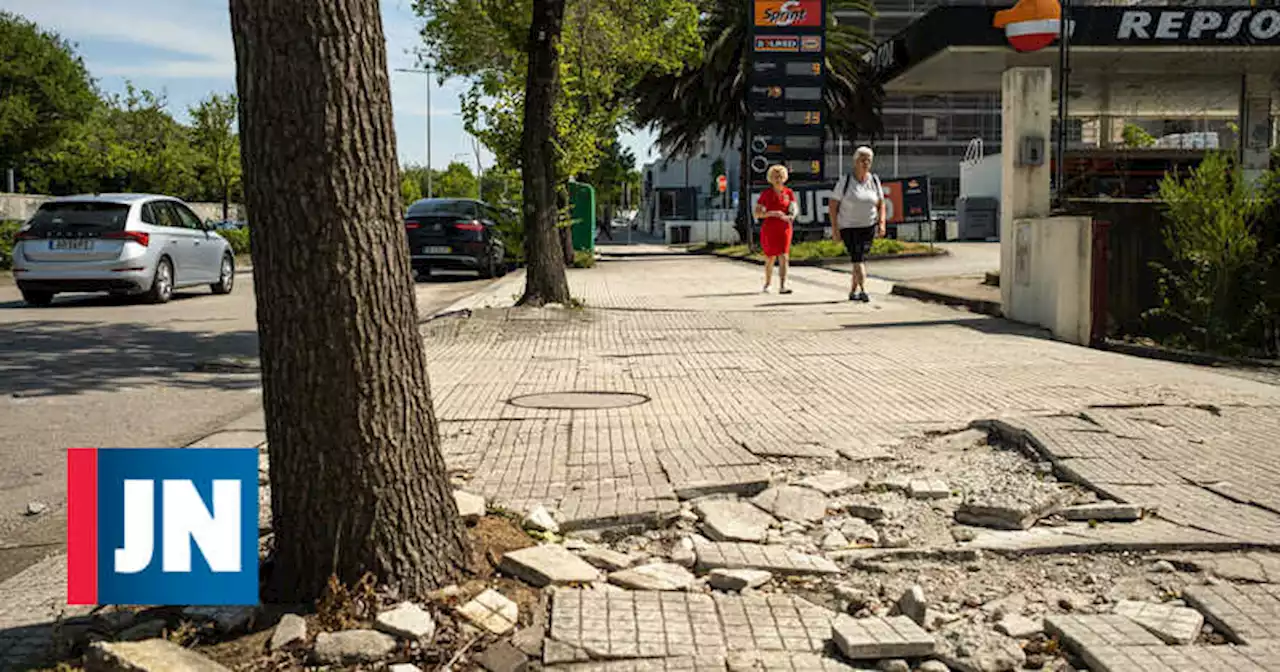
862,296
785,291
853,296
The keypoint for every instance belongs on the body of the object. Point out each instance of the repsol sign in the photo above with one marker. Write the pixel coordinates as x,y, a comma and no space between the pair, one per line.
1226,25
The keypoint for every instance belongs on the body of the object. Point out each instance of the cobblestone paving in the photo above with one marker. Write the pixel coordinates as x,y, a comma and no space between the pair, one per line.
776,559
1246,614
1180,659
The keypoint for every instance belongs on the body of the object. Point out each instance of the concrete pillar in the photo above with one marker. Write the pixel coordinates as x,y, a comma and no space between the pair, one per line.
1027,109
1109,122
1255,126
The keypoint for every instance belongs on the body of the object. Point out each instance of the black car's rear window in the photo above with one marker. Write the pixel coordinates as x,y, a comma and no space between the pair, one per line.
79,217
433,207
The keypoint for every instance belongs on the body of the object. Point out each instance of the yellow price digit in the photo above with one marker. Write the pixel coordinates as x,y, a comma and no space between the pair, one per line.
815,167
813,118
817,68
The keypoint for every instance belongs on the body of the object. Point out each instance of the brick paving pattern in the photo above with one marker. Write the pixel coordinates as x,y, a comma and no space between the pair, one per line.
1180,659
1246,614
776,559
878,637
670,625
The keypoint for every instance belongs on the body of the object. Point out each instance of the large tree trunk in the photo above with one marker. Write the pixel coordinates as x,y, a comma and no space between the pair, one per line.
545,280
358,483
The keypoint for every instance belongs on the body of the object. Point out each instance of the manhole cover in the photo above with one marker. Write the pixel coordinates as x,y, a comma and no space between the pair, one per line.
572,401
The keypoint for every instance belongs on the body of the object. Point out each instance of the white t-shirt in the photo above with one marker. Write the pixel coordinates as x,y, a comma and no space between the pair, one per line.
859,201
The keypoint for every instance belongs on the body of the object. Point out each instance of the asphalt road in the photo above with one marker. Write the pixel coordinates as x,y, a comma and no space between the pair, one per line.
99,372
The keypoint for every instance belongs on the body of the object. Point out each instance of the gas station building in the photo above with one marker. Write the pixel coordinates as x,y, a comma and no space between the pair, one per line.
1124,61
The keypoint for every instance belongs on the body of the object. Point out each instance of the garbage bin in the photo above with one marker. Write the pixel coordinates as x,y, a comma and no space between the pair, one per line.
582,199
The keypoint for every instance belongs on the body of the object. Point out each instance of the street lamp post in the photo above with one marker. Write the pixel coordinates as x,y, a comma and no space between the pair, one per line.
427,72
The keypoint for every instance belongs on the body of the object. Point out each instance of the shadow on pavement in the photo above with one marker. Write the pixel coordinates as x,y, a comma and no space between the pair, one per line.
98,301
783,304
985,325
39,358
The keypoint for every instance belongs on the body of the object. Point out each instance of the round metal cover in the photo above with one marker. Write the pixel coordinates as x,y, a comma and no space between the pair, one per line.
575,401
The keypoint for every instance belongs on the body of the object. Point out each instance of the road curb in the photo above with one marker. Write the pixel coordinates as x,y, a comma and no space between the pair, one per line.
981,306
496,295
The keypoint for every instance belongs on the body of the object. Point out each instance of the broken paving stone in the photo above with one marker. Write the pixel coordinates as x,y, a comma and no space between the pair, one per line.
734,520
404,667
962,440
929,489
777,559
893,665
878,637
738,579
1019,627
225,618
153,655
933,666
1103,511
860,533
540,519
36,508
1163,567
1174,625
892,484
658,576
492,611
793,503
290,631
502,656
352,647
408,621
833,483
912,604
548,564
1012,505
975,647
470,507
871,511
683,553
606,559
834,541
963,534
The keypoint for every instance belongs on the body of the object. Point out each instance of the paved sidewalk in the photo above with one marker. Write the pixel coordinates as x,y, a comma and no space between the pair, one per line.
737,385
738,379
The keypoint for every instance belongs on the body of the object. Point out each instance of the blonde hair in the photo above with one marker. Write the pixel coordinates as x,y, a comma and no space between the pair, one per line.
778,170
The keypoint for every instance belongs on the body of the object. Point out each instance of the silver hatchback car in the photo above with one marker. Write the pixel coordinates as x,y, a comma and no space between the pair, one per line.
119,243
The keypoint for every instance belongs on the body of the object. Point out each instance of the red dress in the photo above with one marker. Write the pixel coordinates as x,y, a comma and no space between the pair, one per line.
775,235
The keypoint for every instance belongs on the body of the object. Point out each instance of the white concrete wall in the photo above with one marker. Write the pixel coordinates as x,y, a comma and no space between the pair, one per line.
1024,190
23,206
703,231
981,178
1052,276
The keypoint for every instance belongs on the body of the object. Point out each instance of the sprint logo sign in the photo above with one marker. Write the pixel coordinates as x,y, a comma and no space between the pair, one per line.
162,526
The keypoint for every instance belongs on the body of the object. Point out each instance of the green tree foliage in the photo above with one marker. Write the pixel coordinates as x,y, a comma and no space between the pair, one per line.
410,190
45,91
607,47
456,181
214,136
613,173
1216,293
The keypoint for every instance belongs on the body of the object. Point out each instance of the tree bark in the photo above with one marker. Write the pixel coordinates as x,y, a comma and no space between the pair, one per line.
545,280
358,483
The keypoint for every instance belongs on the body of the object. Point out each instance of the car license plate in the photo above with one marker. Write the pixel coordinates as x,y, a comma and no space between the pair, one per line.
71,244
436,249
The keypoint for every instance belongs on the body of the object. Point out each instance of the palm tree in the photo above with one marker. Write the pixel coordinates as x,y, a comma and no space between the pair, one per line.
712,94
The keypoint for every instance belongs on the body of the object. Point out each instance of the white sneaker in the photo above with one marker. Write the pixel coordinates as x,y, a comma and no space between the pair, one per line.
765,290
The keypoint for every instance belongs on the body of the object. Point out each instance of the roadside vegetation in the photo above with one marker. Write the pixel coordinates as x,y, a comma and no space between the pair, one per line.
824,250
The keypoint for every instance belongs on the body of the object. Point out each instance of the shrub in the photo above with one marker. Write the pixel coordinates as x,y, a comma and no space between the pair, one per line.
584,259
239,239
1215,292
8,228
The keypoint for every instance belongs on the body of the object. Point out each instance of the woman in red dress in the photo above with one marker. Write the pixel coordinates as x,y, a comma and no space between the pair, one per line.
778,207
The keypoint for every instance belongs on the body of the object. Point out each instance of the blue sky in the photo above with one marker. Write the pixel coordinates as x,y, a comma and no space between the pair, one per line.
183,49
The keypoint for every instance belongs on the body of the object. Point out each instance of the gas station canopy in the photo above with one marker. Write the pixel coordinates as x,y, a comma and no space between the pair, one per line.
1161,61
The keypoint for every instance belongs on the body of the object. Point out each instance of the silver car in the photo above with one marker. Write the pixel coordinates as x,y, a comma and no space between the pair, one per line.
119,243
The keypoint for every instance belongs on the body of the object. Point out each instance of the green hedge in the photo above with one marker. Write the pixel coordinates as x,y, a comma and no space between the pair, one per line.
239,239
8,228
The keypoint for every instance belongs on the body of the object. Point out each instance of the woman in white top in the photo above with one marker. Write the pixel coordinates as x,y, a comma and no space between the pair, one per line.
857,216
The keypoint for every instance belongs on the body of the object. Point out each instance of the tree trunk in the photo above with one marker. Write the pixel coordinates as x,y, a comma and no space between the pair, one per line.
358,483
545,280
226,202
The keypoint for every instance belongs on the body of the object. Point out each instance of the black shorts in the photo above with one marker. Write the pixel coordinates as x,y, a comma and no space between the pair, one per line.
857,241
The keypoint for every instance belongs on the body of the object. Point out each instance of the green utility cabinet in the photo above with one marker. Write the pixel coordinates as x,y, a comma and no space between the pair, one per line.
582,200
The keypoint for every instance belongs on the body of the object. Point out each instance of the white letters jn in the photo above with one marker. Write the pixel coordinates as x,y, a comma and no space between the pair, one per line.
186,519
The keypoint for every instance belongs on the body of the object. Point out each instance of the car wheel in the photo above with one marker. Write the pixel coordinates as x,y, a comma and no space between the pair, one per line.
489,265
37,298
162,284
226,276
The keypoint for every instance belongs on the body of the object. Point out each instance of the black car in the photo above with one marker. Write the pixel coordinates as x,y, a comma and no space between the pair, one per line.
455,234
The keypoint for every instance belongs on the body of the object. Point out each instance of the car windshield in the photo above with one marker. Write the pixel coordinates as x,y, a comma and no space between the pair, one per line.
442,207
84,217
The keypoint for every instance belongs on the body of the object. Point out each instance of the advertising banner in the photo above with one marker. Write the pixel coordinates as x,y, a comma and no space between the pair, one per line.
789,14
906,202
